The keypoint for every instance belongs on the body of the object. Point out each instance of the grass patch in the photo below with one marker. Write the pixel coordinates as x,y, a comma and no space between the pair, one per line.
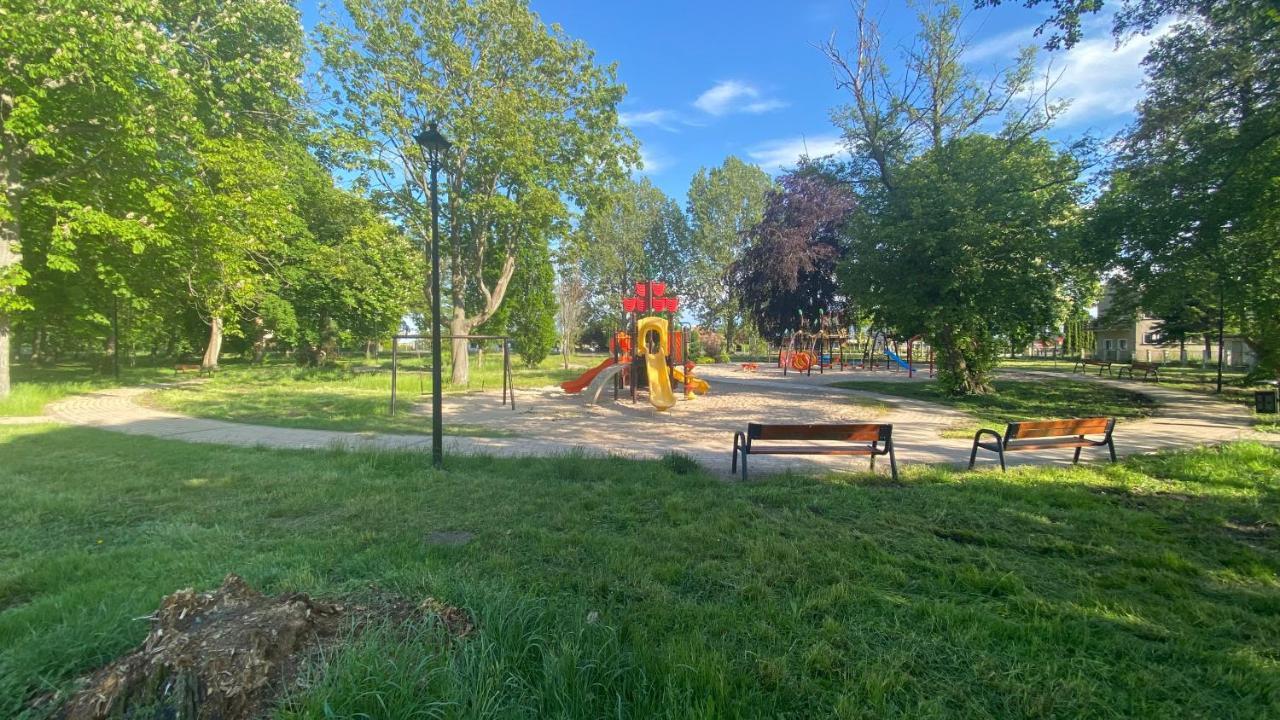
1194,378
36,387
651,589
1021,400
336,399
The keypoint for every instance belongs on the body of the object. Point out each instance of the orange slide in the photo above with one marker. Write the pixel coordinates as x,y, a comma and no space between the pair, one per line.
578,384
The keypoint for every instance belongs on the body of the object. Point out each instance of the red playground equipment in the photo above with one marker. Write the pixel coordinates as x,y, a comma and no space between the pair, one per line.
651,356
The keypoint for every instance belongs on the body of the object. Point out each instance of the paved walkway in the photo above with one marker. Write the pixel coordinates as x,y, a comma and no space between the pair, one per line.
551,423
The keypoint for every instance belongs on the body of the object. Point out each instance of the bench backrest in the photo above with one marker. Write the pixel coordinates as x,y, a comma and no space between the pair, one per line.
1144,366
865,432
1058,428
1091,361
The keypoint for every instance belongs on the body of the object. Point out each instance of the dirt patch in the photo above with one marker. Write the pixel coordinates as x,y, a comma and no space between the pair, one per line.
450,537
230,654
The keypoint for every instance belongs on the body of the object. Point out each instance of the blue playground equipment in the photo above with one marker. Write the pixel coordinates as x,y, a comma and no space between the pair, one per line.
901,363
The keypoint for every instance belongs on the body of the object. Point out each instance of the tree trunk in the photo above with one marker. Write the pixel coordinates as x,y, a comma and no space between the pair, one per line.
730,333
460,325
957,374
214,349
10,255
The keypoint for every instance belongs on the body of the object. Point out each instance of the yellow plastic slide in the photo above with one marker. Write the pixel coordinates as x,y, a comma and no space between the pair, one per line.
655,360
659,380
697,384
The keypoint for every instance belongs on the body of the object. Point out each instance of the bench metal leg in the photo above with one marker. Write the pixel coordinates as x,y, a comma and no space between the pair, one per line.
1111,446
733,467
1076,460
893,462
973,454
1000,452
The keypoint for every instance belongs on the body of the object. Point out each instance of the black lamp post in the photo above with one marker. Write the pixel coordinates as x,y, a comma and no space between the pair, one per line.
435,145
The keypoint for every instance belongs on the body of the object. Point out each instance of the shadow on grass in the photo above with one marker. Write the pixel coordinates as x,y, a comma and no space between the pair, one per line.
653,587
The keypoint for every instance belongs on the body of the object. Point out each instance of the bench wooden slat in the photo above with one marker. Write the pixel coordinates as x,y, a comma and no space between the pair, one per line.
811,450
1056,428
1052,443
862,432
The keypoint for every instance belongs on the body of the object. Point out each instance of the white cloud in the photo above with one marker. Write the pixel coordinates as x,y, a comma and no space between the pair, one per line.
1003,47
663,119
786,152
734,96
652,162
1101,81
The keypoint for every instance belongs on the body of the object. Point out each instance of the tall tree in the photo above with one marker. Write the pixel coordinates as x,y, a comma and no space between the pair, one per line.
571,299
1192,208
972,246
725,203
636,232
788,268
532,117
88,96
960,234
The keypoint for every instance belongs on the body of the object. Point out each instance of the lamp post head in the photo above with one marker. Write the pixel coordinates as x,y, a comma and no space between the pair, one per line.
432,140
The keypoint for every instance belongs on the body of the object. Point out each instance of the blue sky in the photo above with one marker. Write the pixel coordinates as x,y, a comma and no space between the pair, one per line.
712,78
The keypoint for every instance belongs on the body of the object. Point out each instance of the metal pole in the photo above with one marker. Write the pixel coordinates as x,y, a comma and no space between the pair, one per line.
395,358
437,427
115,336
506,364
1222,322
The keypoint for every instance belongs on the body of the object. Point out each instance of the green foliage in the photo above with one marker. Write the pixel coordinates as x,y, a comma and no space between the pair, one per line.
724,204
623,588
973,242
531,116
635,233
964,237
533,317
1191,213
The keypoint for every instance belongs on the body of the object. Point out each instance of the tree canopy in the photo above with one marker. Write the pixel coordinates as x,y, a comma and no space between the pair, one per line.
531,115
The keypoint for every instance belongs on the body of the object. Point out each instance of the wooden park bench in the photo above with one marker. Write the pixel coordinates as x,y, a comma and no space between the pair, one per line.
181,368
861,439
750,367
366,369
1083,364
1148,370
1046,434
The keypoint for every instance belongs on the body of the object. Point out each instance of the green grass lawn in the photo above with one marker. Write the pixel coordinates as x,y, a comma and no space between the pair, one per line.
1021,400
33,388
1144,589
1235,387
283,394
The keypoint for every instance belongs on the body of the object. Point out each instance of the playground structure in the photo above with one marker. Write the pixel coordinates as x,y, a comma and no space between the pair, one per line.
823,346
650,356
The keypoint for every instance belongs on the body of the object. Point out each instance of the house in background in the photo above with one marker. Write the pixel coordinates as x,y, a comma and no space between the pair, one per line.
1124,338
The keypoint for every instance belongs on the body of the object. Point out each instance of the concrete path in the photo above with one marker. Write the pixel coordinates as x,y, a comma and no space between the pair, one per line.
550,423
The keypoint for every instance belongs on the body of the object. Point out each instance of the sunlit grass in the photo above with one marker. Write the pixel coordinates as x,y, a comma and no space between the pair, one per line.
34,388
340,399
651,589
1021,400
